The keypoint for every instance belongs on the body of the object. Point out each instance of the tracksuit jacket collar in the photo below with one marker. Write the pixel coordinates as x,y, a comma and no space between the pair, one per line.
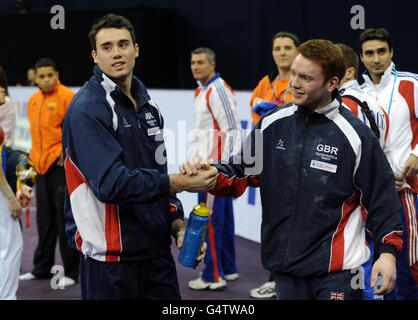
386,78
53,90
348,85
326,110
216,76
138,89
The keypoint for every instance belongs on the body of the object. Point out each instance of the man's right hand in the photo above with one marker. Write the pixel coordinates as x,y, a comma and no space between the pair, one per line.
2,95
202,181
195,163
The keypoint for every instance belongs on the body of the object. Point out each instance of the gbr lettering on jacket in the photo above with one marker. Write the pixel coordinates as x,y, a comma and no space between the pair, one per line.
325,155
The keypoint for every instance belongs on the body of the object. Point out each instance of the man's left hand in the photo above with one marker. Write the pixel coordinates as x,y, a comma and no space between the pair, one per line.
202,253
410,168
179,230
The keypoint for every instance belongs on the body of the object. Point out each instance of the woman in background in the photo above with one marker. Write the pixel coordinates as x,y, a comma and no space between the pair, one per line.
11,241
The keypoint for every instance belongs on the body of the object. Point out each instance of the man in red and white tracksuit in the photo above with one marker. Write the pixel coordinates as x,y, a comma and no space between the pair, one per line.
397,93
368,111
217,135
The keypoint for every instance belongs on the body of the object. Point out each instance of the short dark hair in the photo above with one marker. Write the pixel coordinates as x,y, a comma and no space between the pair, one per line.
210,54
45,62
111,20
286,34
351,57
327,55
375,34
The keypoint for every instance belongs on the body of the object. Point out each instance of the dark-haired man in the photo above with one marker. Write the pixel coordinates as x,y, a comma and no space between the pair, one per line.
314,162
365,108
121,208
397,93
368,111
46,111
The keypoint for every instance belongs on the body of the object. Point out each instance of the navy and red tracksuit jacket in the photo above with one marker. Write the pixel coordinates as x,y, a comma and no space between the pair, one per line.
118,206
324,181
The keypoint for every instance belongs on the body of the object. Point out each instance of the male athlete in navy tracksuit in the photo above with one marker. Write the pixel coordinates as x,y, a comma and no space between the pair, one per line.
120,208
323,178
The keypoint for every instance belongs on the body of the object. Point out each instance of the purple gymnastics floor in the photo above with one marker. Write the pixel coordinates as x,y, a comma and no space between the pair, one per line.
248,259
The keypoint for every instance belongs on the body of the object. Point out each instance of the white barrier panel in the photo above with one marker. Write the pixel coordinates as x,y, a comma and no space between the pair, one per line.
177,109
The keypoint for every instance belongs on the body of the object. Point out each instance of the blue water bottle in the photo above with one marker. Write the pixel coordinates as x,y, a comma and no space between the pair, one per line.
195,235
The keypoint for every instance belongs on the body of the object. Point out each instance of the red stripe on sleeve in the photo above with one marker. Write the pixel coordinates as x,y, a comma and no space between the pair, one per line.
112,230
233,187
394,239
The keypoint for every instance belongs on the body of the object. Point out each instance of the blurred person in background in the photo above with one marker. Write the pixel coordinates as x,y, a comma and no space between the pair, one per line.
274,90
218,135
397,93
31,77
46,111
7,112
11,241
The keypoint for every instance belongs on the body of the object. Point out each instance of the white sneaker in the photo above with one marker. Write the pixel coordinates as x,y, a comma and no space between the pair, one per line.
200,284
231,276
66,282
267,290
27,276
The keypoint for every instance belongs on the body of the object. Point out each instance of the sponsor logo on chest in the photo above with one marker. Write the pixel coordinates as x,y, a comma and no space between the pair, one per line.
325,154
153,127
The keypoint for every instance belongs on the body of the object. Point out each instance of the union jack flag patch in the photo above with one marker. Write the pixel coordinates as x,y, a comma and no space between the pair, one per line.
336,295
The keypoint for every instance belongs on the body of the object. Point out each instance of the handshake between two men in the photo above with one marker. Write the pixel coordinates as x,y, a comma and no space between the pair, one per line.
196,175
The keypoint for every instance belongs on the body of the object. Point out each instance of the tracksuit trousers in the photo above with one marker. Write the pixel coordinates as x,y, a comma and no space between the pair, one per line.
50,191
406,287
330,286
153,279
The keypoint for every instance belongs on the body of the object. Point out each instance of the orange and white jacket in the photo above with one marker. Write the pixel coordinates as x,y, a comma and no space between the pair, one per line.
397,94
217,130
46,112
